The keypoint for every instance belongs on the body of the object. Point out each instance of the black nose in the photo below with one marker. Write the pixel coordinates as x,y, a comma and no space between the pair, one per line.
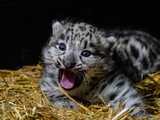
69,65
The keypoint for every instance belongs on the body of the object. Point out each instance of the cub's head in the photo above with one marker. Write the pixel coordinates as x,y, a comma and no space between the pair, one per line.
76,49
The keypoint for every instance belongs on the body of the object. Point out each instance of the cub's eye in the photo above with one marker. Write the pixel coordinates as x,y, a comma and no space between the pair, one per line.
86,53
62,46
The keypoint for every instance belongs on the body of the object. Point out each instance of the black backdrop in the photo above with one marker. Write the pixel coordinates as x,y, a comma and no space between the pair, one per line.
26,26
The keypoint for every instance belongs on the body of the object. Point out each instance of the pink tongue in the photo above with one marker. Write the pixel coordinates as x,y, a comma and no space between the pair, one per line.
67,80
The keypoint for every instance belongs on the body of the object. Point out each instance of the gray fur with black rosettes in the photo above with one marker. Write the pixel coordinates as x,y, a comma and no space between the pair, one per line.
124,57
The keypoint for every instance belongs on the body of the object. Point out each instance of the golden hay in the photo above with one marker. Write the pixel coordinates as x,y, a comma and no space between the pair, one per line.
22,99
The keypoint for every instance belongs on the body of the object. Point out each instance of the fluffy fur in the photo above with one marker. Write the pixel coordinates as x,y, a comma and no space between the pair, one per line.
107,63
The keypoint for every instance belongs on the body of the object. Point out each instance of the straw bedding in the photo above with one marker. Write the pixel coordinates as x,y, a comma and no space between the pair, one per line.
22,99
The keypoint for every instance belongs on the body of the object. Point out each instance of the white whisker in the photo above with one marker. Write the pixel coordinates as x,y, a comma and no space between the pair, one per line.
60,62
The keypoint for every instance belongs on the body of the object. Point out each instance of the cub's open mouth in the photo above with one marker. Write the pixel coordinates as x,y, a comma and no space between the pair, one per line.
69,79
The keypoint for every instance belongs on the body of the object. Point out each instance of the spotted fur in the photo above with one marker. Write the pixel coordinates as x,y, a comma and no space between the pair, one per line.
122,57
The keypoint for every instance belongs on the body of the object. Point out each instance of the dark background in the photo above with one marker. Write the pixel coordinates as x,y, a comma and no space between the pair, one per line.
26,26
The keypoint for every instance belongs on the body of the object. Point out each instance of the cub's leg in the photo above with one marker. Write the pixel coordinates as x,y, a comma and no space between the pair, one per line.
50,87
119,89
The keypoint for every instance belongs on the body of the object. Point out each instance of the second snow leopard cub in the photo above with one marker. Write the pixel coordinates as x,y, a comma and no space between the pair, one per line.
118,59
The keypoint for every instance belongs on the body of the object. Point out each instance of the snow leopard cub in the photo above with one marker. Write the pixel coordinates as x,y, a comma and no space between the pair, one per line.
90,64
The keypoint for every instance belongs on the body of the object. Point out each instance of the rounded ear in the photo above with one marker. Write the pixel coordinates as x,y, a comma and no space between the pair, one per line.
57,29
